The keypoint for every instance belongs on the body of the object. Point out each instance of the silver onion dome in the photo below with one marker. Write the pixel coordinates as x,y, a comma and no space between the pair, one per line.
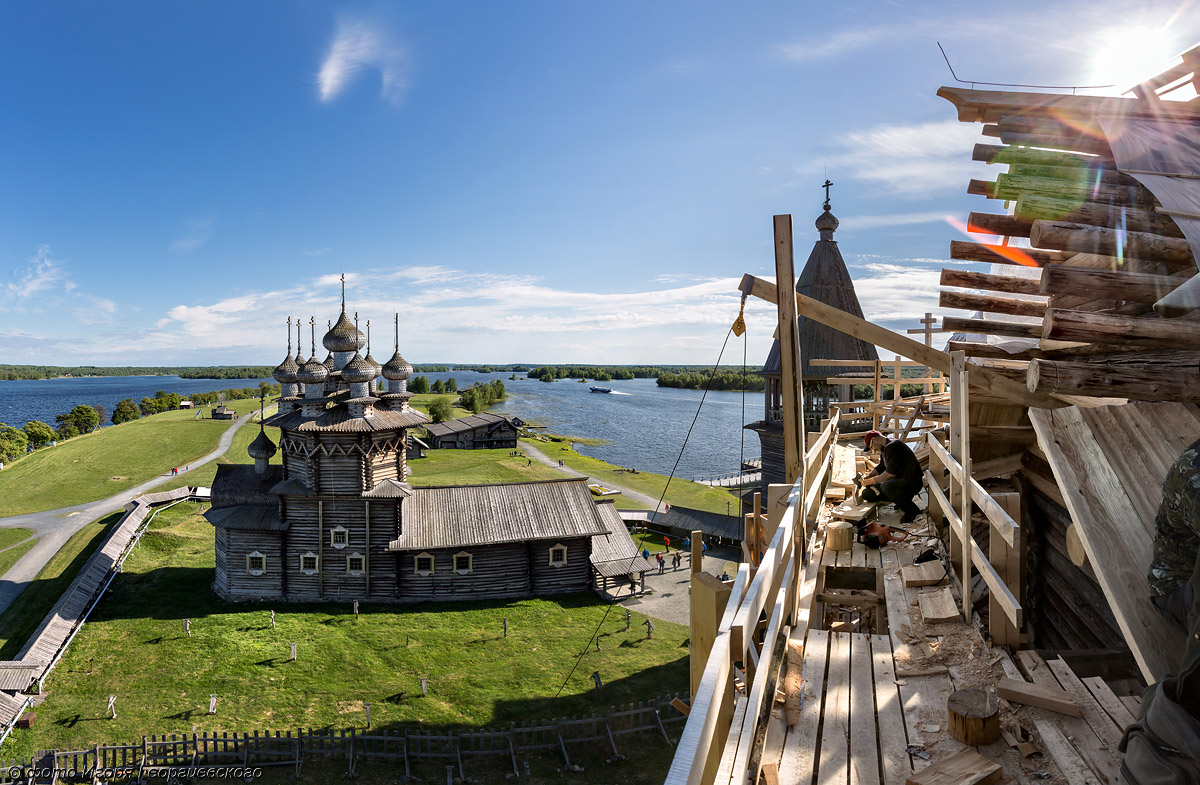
358,370
344,336
397,369
285,372
262,448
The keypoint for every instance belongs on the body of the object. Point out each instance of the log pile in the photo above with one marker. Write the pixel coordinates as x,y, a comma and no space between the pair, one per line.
1105,251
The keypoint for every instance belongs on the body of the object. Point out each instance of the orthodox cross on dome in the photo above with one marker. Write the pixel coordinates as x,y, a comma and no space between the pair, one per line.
312,327
289,336
343,292
397,332
826,185
368,337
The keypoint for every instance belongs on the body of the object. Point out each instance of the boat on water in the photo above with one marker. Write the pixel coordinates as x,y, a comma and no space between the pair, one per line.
601,389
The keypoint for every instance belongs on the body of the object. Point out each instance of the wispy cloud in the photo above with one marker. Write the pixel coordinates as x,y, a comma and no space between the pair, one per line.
197,231
41,273
359,44
827,46
864,222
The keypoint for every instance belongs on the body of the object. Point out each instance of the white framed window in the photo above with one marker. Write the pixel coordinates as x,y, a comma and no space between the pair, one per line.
338,537
256,563
558,555
464,563
423,564
309,563
355,564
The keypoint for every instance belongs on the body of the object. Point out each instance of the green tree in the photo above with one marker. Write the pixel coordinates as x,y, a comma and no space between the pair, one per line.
125,411
149,406
439,386
418,385
83,418
101,412
66,431
38,433
440,411
546,377
13,443
452,384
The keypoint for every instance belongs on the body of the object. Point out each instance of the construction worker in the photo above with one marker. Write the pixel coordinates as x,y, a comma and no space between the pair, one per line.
1163,746
896,478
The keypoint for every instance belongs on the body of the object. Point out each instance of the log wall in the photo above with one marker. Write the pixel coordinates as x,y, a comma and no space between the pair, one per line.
233,580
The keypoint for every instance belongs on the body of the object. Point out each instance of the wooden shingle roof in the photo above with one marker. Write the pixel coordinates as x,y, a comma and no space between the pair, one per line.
615,554
339,420
466,515
469,423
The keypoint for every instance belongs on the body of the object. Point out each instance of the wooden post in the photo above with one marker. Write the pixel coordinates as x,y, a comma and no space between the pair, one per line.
293,652
1009,561
974,717
697,551
112,706
356,610
505,626
424,686
187,627
789,350
272,619
212,704
368,707
707,600
896,379
958,361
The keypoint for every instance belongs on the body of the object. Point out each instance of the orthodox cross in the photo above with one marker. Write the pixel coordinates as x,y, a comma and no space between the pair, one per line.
826,185
343,292
928,330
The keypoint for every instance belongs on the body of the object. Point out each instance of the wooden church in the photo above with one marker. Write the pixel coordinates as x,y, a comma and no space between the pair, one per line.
337,520
824,278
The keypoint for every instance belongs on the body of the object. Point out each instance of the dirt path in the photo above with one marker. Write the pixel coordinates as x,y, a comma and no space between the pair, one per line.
649,501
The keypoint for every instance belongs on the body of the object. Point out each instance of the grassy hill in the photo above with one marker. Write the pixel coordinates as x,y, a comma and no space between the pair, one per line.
97,465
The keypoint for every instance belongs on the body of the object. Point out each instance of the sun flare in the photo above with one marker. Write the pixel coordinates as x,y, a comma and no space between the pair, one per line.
1125,55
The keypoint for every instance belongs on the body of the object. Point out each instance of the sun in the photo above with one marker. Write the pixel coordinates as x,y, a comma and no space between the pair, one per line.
1124,55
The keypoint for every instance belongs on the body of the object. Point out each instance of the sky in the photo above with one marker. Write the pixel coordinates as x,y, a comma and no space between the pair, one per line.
535,182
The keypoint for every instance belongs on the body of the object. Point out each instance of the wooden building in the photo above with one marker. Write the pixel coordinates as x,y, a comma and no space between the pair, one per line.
826,279
483,431
337,520
223,412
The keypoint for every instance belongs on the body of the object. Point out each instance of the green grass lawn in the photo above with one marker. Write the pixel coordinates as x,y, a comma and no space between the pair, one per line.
683,493
423,401
21,618
202,476
13,535
467,467
97,465
135,647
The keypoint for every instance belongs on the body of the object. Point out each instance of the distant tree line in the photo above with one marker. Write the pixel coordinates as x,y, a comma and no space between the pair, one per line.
33,372
722,380
607,373
85,418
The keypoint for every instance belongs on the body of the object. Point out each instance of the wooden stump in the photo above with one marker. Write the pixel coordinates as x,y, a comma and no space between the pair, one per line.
974,717
839,536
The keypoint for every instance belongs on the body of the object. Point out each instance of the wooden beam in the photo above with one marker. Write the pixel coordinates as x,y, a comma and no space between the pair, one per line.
1079,172
1082,238
991,327
1084,326
968,279
1048,126
964,251
983,378
1001,154
789,349
1033,207
1141,382
989,106
992,223
1076,144
1009,187
1041,696
1011,434
988,351
1137,287
990,304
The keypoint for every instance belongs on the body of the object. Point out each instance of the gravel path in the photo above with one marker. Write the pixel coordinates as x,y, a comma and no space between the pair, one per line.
641,498
54,527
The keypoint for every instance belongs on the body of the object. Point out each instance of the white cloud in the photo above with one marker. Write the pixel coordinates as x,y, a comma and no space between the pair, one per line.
41,274
358,45
865,222
832,45
197,230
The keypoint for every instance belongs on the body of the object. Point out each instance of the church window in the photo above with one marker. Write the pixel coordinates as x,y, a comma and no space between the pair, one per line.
558,556
463,562
424,564
256,563
338,537
355,564
308,563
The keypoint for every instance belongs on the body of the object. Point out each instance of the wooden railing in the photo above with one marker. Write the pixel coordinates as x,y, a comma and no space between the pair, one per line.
1002,567
718,738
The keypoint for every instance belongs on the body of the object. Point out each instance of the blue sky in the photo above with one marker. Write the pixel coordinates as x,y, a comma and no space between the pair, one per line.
522,181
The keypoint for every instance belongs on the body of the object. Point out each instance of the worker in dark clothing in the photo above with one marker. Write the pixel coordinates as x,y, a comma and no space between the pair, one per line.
1163,746
896,478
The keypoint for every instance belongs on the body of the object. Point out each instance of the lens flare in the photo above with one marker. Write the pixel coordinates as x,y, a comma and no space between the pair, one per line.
1014,255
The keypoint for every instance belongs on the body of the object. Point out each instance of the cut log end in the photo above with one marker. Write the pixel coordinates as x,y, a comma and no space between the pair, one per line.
839,536
974,717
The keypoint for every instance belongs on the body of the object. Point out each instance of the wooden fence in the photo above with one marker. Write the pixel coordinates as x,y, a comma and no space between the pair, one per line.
719,735
180,751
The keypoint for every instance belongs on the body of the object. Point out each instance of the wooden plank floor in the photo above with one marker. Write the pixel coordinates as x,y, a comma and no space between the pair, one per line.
858,719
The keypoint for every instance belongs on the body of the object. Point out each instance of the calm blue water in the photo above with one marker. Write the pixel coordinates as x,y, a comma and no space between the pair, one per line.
21,402
644,424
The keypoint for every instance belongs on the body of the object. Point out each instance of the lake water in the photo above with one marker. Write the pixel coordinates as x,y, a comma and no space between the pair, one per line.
644,424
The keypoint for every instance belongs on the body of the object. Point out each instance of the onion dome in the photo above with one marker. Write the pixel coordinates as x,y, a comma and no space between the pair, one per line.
300,361
312,372
344,336
826,221
329,364
358,370
373,363
285,372
262,448
397,369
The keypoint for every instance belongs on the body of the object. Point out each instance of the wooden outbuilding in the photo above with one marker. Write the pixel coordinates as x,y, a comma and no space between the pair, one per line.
483,431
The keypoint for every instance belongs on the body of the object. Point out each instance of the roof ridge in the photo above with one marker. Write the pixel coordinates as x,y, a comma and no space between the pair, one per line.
494,484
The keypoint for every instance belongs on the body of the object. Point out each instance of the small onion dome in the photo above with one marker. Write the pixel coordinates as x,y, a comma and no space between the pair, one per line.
300,361
374,364
358,370
262,448
285,373
329,364
312,372
344,336
397,369
826,221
